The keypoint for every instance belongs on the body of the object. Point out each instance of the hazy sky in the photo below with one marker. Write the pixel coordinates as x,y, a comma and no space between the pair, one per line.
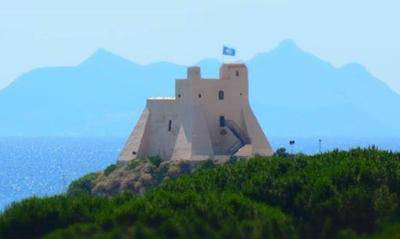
35,33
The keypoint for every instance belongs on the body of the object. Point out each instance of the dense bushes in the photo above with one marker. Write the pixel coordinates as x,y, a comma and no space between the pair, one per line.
82,185
110,169
35,217
159,214
336,194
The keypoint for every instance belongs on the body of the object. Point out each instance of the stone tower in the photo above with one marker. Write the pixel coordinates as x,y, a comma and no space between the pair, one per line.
206,118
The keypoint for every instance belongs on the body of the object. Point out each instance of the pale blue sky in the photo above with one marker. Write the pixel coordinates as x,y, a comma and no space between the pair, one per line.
36,33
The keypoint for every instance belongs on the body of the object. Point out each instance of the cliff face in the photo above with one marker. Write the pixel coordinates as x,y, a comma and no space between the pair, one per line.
137,176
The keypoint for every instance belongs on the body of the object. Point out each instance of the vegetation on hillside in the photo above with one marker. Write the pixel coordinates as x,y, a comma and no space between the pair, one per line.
353,194
135,177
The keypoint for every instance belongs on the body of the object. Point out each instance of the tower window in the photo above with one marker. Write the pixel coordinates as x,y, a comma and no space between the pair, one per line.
221,95
222,121
237,73
199,95
169,125
179,95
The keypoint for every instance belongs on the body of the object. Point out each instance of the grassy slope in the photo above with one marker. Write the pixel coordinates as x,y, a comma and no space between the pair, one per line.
337,194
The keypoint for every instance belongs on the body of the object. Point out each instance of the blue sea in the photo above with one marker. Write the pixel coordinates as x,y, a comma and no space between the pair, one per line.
45,166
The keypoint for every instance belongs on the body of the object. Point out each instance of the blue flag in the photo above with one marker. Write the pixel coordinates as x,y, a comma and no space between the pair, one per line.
228,51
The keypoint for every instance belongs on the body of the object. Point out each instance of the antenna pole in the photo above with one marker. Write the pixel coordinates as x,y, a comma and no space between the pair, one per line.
291,142
319,145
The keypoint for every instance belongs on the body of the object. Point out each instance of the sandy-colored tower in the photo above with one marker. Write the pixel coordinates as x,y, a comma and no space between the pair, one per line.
207,118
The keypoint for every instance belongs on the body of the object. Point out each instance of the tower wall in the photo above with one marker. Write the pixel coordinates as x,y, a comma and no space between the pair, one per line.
136,145
162,133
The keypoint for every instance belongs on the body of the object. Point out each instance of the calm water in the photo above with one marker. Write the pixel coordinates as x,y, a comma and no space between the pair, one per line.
45,166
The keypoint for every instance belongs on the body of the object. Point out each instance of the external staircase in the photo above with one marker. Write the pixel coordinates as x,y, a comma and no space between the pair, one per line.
241,135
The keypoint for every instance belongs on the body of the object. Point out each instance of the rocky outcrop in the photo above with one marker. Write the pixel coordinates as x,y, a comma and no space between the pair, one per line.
136,176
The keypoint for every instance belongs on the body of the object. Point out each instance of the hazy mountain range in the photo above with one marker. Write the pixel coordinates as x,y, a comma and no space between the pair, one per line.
292,92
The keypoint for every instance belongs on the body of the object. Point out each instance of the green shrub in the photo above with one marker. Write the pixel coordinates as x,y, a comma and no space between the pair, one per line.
82,185
281,152
110,169
207,164
35,217
134,163
160,174
155,160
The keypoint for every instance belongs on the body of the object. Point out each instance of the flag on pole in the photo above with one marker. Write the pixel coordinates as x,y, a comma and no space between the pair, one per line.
228,51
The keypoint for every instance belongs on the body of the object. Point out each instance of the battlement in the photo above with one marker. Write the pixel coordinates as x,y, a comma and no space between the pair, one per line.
226,72
194,73
232,86
233,72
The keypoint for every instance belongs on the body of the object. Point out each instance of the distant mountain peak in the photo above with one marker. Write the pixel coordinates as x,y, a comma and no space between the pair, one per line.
285,46
288,44
102,56
288,50
102,53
